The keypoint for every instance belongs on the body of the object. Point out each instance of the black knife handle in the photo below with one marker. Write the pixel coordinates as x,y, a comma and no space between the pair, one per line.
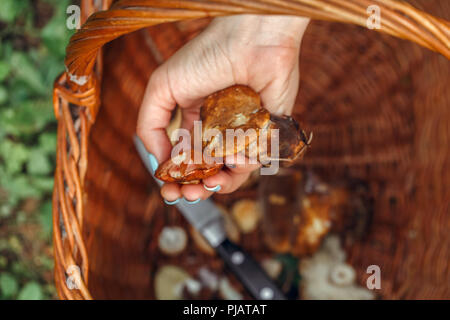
249,272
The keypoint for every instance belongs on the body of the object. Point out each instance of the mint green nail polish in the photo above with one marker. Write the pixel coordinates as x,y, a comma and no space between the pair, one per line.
153,162
192,202
170,203
215,189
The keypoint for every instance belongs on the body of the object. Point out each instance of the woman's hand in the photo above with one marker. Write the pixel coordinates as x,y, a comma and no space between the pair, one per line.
259,51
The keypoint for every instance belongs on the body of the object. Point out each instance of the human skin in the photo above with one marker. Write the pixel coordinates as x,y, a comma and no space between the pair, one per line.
259,51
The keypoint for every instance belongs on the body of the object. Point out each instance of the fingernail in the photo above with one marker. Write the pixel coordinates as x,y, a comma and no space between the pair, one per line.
171,203
153,162
193,202
232,166
215,189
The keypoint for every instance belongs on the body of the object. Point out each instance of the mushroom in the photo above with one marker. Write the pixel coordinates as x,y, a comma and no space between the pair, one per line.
277,199
208,278
325,275
170,282
227,291
182,169
239,108
247,214
200,242
342,275
231,230
314,223
172,240
272,267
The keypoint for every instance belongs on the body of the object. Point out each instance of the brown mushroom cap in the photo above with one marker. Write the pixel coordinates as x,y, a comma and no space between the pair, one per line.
315,223
238,108
181,171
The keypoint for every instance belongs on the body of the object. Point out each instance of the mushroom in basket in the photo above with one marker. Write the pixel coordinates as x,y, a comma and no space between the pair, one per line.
236,109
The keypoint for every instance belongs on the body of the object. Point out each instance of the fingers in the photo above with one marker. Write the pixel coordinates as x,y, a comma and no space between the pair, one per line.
155,114
227,180
171,192
194,192
236,173
224,182
279,96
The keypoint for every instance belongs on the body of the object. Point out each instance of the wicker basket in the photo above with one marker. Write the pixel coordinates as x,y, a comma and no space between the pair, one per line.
379,108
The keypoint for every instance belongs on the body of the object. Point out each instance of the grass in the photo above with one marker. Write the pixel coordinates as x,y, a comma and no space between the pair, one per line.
33,37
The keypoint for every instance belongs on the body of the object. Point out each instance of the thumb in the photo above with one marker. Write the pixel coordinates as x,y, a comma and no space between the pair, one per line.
155,114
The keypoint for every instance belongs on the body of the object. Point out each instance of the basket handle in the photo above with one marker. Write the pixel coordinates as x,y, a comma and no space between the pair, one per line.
398,18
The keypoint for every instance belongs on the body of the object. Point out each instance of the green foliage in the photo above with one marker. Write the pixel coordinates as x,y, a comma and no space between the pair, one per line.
8,285
10,9
31,291
31,57
55,37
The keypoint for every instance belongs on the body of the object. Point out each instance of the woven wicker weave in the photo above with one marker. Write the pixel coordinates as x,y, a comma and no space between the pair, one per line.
378,107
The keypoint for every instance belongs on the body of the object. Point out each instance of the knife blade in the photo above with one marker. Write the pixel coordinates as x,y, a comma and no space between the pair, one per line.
207,219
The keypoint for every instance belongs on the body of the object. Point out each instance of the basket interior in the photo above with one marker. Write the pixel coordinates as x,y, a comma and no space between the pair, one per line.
379,110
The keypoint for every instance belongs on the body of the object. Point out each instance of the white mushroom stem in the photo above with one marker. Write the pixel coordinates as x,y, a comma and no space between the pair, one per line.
325,275
193,286
272,267
342,275
169,283
227,291
172,240
208,278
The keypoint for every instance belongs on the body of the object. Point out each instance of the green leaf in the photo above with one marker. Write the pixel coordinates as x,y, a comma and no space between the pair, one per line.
3,262
38,163
27,72
18,92
42,184
20,269
5,210
8,285
55,34
10,9
46,219
53,66
15,244
14,155
3,95
5,68
47,142
31,291
18,187
26,118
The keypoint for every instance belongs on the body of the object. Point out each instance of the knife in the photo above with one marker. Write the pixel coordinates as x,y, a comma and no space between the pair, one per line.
206,218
